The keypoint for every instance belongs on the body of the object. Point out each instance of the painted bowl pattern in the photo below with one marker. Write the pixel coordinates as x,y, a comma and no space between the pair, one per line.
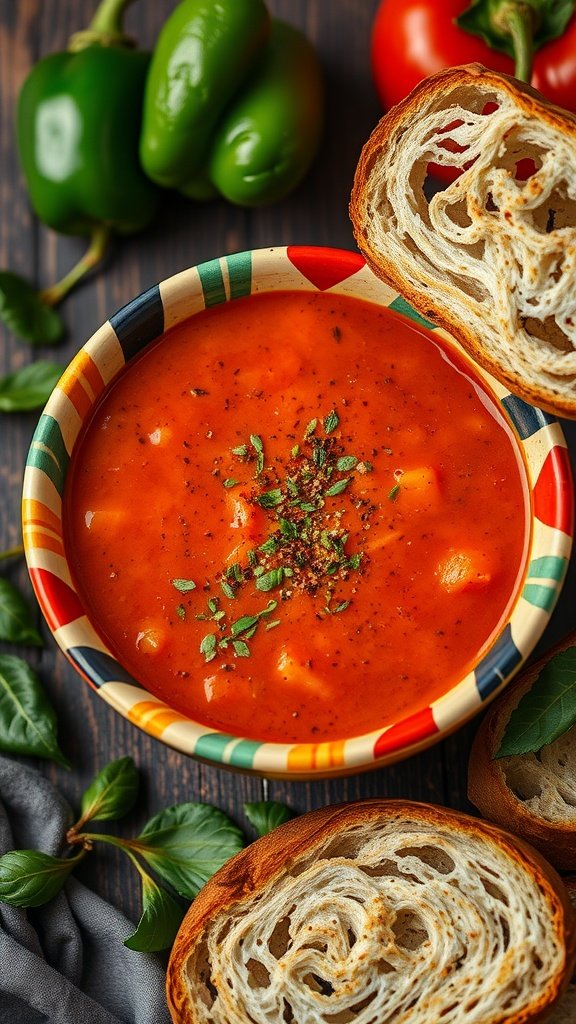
97,364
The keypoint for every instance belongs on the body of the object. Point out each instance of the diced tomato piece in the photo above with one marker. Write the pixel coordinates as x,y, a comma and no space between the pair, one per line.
419,488
252,524
464,570
151,637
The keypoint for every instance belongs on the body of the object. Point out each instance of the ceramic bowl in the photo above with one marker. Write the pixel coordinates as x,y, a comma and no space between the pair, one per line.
98,363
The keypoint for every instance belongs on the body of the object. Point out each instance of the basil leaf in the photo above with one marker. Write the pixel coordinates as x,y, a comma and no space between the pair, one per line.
30,387
187,843
27,720
24,312
112,793
546,711
267,815
29,878
161,919
16,626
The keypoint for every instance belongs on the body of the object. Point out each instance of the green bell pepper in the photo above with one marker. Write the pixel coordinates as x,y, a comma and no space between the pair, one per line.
233,104
204,53
269,135
78,128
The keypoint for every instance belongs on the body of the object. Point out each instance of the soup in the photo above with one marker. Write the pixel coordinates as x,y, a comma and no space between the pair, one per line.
297,516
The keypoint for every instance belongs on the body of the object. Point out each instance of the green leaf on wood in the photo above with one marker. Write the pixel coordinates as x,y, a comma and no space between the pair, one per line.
187,843
30,387
24,312
16,618
161,919
27,720
266,815
546,711
29,878
112,793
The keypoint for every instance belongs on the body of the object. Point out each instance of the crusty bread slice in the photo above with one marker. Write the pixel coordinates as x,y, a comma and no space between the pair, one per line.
376,911
491,258
533,795
565,1010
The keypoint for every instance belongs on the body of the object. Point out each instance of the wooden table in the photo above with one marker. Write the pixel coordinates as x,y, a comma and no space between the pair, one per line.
91,733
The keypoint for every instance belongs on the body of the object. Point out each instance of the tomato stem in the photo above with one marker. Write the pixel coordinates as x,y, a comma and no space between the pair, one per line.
517,21
93,255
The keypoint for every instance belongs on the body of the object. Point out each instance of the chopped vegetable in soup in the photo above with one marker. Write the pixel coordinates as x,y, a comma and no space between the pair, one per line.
297,517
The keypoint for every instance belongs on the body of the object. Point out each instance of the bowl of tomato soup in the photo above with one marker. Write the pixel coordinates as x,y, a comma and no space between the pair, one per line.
284,525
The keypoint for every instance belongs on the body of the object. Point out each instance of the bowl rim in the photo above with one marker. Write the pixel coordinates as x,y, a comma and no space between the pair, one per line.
143,320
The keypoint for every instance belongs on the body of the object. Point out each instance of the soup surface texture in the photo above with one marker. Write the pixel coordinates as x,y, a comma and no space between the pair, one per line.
297,517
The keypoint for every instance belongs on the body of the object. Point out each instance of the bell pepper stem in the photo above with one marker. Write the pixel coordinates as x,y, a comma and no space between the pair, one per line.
109,17
105,29
94,254
517,20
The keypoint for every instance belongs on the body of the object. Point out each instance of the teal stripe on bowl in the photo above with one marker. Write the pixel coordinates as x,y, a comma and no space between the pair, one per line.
549,567
539,595
240,273
401,306
212,745
212,282
48,451
244,753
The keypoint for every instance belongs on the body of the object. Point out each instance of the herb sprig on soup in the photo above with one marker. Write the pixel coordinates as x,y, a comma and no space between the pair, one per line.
297,517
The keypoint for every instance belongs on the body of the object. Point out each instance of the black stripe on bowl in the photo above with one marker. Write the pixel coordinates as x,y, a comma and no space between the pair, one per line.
140,322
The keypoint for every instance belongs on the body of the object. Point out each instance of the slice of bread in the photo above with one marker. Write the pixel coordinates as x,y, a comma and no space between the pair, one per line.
491,258
371,912
565,1010
533,795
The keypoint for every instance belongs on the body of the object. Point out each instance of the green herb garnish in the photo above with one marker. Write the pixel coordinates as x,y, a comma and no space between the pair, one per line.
208,646
331,422
337,488
183,586
270,499
256,442
345,463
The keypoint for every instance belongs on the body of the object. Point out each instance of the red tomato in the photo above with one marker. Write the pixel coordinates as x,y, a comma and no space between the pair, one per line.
412,39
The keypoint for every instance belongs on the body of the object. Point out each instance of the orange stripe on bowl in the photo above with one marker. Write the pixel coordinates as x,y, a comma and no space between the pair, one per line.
34,513
305,756
42,539
92,375
82,383
153,718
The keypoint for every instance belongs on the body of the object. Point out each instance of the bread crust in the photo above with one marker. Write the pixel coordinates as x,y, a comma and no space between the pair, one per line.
268,859
487,786
561,400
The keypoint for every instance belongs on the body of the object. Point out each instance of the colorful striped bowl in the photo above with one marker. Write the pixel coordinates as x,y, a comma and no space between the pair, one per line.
98,363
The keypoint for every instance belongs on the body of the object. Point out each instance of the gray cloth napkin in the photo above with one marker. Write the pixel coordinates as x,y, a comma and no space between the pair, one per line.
65,963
